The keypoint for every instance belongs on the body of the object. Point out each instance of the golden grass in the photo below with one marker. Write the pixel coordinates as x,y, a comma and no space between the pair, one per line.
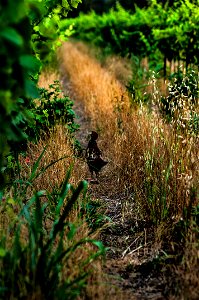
58,146
148,158
137,143
153,163
119,67
46,78
94,85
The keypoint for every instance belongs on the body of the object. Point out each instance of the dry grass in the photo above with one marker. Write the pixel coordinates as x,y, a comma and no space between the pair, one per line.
46,78
94,86
120,68
152,162
58,145
140,145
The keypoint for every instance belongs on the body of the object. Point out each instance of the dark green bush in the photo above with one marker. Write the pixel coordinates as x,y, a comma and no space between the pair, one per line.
51,109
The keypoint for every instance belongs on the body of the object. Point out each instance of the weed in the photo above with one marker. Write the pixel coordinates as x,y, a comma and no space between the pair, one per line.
37,248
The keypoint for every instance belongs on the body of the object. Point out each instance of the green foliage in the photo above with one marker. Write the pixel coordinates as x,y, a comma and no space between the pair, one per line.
118,31
46,19
135,85
157,31
15,72
51,109
178,36
41,117
27,28
95,216
33,256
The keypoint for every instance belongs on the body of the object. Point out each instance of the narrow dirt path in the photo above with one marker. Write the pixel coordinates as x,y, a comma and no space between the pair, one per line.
128,267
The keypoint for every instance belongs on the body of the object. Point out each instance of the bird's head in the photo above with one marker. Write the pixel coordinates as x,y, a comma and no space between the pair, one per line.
94,135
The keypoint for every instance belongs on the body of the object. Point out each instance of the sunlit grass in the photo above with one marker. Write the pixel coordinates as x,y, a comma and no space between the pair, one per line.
153,162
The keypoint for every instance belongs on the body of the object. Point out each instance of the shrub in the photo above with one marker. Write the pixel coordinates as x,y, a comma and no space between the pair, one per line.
50,109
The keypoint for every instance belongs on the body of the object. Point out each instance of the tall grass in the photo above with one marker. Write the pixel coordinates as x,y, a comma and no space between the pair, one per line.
97,88
47,250
152,162
142,147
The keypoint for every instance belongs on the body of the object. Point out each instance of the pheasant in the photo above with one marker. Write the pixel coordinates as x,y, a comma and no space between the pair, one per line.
93,156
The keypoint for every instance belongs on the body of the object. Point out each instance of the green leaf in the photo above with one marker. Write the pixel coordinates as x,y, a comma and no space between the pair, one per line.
58,226
61,199
31,89
12,36
36,165
72,231
30,63
2,252
75,3
65,188
17,247
11,201
99,244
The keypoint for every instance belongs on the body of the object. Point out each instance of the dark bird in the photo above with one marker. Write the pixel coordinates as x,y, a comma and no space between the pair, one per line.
93,156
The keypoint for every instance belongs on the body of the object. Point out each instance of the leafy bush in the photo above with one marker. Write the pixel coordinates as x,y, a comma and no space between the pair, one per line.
29,30
51,109
158,32
17,65
38,121
117,31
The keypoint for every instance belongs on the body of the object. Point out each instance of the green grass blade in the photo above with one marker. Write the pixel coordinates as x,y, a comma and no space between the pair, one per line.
36,165
64,191
61,223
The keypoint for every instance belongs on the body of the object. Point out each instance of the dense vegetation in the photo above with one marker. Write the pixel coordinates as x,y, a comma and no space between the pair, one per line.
28,34
157,32
161,176
101,6
48,223
153,171
37,239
